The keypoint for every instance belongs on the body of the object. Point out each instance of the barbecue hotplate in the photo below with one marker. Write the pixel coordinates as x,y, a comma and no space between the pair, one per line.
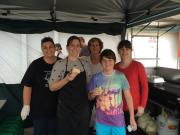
166,94
169,87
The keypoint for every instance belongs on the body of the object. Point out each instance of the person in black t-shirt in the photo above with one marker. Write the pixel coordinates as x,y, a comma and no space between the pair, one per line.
38,100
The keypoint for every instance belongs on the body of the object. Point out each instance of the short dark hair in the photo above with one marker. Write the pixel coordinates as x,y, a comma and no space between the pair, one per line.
71,38
46,39
124,43
58,45
108,53
82,39
94,39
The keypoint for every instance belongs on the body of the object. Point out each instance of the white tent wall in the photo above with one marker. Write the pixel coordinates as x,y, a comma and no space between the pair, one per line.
34,45
167,49
19,50
10,57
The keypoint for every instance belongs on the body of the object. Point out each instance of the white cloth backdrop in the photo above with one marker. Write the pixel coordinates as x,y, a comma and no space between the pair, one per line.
17,51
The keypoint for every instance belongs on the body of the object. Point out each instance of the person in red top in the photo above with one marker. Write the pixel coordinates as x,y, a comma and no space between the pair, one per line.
136,75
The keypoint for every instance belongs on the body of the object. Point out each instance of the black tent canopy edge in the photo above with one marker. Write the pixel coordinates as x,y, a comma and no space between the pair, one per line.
122,13
40,26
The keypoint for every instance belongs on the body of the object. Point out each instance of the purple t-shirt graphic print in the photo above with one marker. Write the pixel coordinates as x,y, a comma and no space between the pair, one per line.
109,105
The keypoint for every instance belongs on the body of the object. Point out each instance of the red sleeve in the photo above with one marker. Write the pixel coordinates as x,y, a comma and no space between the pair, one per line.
143,85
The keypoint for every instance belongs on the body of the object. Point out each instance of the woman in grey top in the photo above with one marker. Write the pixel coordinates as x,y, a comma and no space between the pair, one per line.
95,45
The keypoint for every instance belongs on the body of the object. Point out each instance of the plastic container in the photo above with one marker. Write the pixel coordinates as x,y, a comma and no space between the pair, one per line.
167,125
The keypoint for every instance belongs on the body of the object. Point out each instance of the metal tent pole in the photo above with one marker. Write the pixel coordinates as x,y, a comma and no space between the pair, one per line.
157,48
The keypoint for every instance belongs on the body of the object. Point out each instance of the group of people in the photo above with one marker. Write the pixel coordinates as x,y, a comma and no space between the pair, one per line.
59,94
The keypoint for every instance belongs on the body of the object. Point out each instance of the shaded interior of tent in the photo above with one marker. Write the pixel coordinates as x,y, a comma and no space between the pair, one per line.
74,16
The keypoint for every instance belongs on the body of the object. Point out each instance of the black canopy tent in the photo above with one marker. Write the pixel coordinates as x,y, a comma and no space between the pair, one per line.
82,16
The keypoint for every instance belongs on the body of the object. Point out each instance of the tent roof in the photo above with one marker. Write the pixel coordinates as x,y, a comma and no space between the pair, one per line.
82,16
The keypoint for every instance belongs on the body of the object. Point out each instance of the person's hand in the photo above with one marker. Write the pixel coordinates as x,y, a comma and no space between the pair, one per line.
25,112
140,111
133,124
70,76
97,92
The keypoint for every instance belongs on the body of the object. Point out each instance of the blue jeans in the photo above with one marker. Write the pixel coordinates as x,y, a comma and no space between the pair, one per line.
102,129
44,126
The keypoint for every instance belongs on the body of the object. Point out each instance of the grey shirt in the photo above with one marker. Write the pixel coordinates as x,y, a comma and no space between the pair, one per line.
59,68
95,68
84,51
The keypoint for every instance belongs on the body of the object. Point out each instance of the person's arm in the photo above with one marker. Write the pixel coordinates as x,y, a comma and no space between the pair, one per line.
143,89
59,84
94,93
27,95
129,101
91,96
28,83
93,88
57,79
26,102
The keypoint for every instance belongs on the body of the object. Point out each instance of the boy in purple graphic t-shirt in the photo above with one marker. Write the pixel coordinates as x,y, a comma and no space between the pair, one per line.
107,87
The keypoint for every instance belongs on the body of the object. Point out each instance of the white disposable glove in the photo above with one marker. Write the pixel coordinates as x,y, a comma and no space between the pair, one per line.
129,128
25,112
